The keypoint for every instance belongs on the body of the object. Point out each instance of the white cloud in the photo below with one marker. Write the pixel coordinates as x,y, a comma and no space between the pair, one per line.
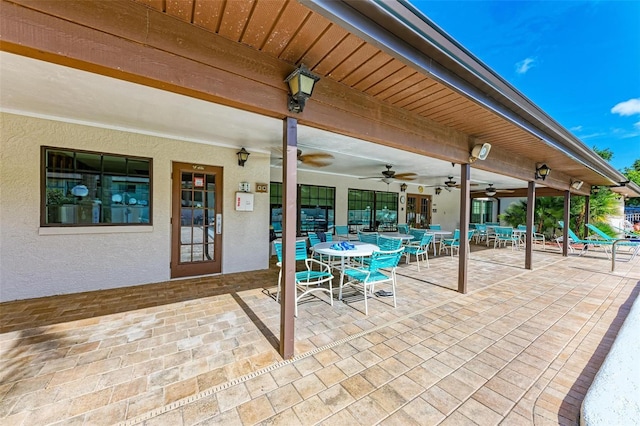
576,128
525,65
630,107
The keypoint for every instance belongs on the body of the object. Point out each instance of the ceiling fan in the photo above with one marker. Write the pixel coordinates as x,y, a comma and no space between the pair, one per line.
314,159
449,184
388,176
490,191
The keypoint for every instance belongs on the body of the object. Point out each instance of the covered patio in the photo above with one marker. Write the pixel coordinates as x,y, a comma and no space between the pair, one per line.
521,347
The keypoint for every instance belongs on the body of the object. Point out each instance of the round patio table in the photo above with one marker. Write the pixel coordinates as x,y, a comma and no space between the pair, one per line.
360,250
436,234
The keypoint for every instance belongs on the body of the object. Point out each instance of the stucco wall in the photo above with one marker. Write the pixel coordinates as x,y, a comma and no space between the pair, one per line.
38,261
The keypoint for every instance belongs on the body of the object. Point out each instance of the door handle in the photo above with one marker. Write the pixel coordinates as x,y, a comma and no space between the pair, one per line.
219,223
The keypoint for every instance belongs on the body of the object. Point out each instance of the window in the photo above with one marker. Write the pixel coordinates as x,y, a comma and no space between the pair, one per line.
481,210
316,206
91,189
371,210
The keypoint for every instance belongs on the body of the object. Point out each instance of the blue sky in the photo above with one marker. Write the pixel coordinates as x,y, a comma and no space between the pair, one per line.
577,60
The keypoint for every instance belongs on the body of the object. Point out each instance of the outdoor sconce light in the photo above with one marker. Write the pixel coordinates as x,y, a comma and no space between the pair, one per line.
479,152
576,184
243,156
595,189
403,187
438,190
301,82
542,171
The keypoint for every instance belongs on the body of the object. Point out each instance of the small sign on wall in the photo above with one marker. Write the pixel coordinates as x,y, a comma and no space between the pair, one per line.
244,202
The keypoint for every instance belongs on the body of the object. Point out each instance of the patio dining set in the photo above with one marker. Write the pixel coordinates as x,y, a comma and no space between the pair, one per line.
365,260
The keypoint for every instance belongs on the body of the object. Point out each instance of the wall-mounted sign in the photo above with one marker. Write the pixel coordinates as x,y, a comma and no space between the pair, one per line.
198,181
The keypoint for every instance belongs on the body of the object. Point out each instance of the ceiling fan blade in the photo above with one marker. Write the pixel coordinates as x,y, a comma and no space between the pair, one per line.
405,176
315,156
316,163
505,190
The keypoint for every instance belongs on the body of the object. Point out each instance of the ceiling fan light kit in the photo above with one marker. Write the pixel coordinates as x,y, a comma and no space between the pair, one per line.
479,152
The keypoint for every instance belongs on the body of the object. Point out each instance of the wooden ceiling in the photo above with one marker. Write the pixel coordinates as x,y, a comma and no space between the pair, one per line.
289,31
227,51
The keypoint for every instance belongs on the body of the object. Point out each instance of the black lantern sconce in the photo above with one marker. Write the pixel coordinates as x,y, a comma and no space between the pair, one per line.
243,156
542,171
301,82
403,187
438,190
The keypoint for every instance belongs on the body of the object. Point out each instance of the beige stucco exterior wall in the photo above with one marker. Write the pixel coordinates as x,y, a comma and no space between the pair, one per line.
37,262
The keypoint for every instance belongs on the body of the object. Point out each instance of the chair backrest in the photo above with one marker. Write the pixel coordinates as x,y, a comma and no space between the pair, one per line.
522,227
385,259
417,234
341,230
301,250
425,240
313,238
481,227
403,228
470,234
435,227
388,243
492,223
572,234
599,232
503,231
368,237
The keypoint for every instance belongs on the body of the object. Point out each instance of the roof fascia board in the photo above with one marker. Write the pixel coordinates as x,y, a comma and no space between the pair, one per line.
380,23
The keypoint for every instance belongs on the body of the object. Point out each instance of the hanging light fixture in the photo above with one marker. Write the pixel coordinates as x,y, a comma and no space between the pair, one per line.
542,171
243,156
301,83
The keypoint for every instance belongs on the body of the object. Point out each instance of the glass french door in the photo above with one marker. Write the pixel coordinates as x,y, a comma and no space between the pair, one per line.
418,211
196,221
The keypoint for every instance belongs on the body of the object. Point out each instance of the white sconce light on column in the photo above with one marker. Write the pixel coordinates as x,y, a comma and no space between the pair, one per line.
479,152
576,184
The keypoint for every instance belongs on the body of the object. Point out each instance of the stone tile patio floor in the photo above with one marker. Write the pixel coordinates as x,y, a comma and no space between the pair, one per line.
521,347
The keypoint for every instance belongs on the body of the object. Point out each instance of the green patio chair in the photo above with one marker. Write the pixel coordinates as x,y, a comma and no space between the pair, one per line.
309,280
419,246
380,270
631,245
403,228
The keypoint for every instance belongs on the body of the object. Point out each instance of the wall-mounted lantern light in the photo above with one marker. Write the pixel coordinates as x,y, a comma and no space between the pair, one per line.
542,171
243,156
403,187
301,82
438,190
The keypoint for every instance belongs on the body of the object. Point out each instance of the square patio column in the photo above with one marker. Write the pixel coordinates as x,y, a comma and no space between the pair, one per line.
531,207
565,228
289,220
463,249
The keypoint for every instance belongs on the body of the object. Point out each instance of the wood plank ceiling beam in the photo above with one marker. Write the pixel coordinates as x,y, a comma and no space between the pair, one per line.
127,40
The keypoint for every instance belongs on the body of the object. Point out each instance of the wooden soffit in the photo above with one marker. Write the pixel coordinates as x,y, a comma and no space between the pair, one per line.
237,53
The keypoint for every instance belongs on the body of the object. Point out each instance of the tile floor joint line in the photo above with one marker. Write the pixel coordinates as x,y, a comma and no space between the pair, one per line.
208,392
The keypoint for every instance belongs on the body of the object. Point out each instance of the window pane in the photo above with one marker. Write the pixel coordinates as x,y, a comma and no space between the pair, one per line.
84,188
